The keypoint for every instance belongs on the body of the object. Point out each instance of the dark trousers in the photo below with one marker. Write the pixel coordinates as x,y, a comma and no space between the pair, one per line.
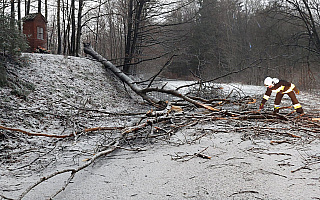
292,97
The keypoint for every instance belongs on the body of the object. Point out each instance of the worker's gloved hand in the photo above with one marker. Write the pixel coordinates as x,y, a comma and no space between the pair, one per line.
261,106
297,91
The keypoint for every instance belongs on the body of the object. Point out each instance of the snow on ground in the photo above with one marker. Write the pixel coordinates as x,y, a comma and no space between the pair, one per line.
65,90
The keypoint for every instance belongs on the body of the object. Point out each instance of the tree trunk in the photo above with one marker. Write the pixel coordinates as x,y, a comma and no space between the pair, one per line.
127,59
66,26
19,15
73,31
79,28
12,15
39,6
12,25
59,28
97,26
27,7
46,9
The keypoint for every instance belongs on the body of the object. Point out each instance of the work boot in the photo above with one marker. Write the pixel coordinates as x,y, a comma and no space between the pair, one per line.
299,111
275,111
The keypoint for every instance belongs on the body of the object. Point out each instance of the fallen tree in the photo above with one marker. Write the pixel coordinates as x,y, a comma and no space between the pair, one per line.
143,92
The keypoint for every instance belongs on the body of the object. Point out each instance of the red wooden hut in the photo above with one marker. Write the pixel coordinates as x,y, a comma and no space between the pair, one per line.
35,29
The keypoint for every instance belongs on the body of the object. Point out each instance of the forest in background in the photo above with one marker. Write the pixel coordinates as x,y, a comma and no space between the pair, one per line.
228,40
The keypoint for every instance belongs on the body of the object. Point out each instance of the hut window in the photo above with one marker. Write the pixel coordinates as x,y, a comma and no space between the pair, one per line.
39,33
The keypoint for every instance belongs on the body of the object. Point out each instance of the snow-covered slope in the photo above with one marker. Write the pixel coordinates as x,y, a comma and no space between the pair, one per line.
56,92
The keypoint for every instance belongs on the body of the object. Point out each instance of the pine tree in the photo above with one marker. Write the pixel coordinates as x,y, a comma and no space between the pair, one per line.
11,40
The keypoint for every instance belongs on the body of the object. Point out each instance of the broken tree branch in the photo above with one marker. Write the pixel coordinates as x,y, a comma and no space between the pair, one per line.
113,146
60,136
35,134
164,66
178,94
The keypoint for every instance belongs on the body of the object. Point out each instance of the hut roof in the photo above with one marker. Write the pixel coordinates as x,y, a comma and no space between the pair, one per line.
31,17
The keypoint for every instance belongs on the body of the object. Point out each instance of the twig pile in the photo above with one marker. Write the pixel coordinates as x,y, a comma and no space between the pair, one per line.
150,127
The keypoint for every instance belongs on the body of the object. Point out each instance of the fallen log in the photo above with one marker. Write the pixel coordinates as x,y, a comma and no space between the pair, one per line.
140,91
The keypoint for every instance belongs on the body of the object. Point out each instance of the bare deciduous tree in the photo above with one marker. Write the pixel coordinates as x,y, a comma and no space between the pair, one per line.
59,45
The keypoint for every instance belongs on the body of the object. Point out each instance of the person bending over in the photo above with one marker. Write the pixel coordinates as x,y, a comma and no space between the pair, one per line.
280,87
